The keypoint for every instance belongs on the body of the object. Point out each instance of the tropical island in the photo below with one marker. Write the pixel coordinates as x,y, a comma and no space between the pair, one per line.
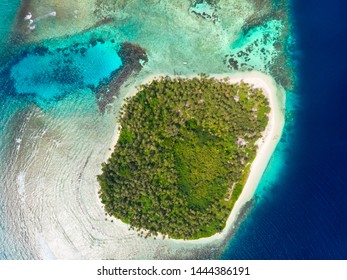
183,155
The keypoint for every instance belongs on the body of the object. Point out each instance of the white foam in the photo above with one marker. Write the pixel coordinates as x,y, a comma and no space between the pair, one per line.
45,250
51,14
28,16
18,142
21,186
31,24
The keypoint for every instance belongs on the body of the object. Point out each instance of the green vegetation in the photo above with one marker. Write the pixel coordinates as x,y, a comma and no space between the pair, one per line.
183,155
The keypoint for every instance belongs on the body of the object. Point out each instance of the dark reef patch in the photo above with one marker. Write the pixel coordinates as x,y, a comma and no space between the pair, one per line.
104,21
265,10
7,81
212,4
41,50
63,69
133,57
280,64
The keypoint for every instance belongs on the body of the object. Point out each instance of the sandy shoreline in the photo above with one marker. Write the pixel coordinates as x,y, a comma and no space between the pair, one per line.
266,144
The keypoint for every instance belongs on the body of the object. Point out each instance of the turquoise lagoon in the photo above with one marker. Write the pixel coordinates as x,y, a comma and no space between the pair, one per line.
54,73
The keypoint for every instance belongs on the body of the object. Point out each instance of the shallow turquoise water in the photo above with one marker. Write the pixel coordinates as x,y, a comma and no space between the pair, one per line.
43,75
57,72
257,48
8,10
8,245
280,157
53,137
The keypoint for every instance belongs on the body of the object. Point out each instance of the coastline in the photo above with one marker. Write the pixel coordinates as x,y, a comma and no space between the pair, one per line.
266,144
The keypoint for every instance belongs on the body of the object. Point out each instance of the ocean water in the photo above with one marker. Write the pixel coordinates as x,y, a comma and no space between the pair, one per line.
56,72
53,135
300,211
7,12
263,48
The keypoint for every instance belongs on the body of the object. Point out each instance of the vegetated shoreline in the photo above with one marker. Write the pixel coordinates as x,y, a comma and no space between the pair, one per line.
266,145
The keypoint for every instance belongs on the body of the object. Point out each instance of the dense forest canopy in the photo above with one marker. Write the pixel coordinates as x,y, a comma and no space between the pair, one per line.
183,155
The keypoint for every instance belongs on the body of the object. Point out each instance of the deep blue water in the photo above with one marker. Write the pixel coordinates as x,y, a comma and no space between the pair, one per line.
303,212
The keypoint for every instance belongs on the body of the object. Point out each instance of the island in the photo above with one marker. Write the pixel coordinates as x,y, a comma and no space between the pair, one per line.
183,155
